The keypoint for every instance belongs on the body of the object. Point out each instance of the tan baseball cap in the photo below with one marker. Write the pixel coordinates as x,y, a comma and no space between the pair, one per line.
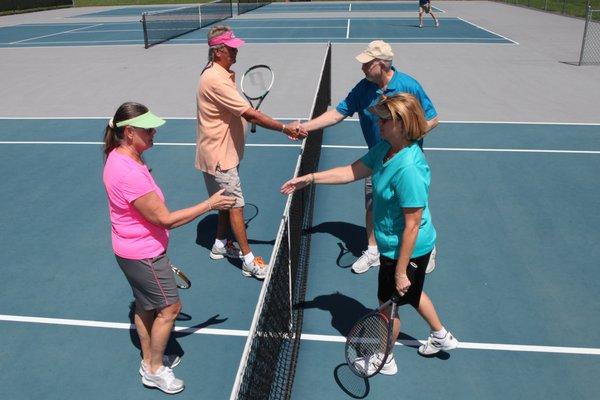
376,49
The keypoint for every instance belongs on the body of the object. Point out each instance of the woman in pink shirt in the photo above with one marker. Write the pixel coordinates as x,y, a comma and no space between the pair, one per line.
140,222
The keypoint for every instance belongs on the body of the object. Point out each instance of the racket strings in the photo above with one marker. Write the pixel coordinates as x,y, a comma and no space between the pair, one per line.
256,83
367,344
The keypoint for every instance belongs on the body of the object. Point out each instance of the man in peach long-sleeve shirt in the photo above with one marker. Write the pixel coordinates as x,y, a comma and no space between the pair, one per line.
220,144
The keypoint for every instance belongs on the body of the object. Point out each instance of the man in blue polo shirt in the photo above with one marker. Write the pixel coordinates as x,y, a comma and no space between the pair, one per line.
381,78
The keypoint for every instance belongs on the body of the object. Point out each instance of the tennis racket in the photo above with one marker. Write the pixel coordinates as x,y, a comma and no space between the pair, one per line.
256,84
183,282
371,340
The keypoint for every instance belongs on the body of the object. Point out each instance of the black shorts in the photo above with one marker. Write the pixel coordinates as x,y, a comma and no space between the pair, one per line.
387,280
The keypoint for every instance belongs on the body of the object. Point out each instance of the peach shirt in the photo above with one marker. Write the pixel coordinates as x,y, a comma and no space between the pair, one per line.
220,136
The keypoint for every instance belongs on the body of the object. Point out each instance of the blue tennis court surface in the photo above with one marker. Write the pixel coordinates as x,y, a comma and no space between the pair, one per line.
124,12
279,8
517,266
284,30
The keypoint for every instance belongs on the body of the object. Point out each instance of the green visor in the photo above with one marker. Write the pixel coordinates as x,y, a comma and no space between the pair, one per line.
144,121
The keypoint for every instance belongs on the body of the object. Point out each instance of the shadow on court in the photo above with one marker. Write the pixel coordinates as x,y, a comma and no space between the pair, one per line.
346,311
207,227
353,240
173,346
353,385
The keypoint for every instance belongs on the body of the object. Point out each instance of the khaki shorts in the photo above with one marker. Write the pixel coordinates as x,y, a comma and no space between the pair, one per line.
228,180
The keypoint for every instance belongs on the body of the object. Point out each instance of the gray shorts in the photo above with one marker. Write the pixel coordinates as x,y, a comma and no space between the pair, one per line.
368,193
228,180
151,280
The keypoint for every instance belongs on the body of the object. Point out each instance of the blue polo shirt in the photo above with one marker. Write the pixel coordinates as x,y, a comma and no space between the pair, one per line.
402,182
365,94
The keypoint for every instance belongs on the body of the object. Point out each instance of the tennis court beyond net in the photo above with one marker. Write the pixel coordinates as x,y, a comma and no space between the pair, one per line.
163,25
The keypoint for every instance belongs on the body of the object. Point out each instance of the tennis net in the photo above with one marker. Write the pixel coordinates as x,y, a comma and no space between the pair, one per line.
268,363
248,5
160,26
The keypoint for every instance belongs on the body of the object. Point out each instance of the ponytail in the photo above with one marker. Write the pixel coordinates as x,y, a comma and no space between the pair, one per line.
113,135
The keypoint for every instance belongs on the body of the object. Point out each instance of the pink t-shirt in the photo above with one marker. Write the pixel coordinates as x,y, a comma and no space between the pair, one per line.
132,236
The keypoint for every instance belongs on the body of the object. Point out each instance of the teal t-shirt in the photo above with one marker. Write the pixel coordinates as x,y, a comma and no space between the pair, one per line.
402,182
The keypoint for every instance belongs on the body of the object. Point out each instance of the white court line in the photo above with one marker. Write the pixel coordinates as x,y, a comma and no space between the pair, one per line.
320,338
347,119
487,30
349,7
475,346
54,34
420,38
287,27
86,42
330,146
109,31
156,144
348,29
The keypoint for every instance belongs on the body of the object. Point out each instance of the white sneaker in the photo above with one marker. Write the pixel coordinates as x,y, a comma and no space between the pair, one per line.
169,360
164,379
435,344
371,364
230,251
258,268
437,23
431,263
365,262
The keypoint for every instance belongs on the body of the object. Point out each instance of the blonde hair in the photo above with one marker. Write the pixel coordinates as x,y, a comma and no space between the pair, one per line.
406,108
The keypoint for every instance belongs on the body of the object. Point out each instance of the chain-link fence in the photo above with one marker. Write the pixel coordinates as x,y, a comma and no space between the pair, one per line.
576,8
590,47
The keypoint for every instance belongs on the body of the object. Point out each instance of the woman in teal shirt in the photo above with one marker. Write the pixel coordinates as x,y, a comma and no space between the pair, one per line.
403,229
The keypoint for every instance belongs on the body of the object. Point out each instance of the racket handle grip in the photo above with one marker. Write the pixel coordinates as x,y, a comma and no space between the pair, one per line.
253,128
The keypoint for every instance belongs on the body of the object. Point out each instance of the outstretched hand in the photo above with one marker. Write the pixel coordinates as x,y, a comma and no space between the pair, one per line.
296,184
295,131
220,201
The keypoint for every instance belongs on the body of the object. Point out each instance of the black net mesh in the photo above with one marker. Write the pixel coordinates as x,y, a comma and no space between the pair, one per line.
248,5
160,26
215,11
268,365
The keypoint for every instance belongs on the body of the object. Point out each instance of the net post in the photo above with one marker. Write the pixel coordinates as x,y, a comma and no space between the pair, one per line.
587,21
145,28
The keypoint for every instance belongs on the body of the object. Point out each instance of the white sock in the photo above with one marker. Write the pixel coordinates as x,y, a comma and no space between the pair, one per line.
372,250
440,334
220,243
249,258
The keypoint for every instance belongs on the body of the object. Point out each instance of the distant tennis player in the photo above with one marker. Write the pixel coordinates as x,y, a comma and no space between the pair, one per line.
425,7
220,141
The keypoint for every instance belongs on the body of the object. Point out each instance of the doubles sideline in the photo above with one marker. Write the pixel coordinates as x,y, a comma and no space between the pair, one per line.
312,337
